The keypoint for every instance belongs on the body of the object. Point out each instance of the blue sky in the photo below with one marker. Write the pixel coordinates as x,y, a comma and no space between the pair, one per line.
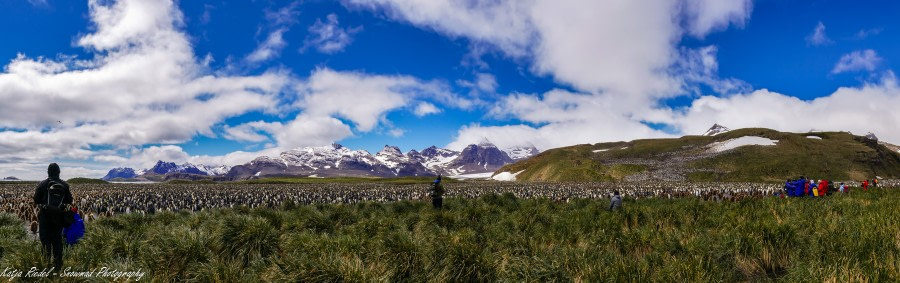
222,82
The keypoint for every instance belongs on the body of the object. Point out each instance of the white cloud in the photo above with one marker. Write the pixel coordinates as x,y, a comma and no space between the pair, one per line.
365,99
329,37
425,108
620,57
856,109
700,67
818,37
705,16
250,132
486,82
396,132
280,21
565,118
581,43
142,85
311,131
865,33
859,60
270,48
502,23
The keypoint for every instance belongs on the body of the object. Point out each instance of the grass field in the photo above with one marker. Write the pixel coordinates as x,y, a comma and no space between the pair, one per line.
499,238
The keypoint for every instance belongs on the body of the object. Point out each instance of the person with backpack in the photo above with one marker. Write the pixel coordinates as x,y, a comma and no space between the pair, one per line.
52,196
437,193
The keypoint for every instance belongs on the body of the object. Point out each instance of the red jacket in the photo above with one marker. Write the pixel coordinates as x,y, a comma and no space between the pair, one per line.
823,187
866,185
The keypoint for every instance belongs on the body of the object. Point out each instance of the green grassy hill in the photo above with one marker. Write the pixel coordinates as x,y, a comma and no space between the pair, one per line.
829,155
80,180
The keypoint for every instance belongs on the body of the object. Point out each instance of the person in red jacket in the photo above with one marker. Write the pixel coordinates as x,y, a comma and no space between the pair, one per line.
823,187
806,188
865,185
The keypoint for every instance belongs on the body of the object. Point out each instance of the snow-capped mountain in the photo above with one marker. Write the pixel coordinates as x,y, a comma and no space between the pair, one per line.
400,164
124,173
521,152
436,160
337,160
162,168
333,160
483,157
715,130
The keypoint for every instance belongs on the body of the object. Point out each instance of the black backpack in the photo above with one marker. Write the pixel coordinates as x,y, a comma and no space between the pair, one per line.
56,195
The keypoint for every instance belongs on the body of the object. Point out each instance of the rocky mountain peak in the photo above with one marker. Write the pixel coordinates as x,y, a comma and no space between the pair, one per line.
390,150
716,129
486,143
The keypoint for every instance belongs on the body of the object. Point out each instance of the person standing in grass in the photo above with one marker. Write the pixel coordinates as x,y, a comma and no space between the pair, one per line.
823,187
437,193
806,186
52,195
813,190
865,184
615,202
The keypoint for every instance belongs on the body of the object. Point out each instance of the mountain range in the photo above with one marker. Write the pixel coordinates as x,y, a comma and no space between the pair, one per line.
336,160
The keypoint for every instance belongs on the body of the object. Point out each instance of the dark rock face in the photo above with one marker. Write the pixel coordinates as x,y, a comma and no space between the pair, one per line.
481,158
162,168
123,173
433,151
258,167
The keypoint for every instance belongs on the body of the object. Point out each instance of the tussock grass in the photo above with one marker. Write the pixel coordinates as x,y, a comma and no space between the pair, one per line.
499,238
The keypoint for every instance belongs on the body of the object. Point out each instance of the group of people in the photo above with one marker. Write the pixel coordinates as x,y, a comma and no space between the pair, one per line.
802,186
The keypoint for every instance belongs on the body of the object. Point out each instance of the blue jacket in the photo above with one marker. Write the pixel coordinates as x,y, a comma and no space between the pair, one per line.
795,188
75,231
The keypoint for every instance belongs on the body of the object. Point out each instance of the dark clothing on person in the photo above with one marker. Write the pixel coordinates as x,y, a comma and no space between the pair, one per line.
438,203
51,222
51,243
437,194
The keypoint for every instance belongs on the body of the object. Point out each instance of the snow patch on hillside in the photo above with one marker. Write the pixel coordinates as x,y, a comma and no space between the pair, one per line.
506,176
476,176
739,142
814,137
